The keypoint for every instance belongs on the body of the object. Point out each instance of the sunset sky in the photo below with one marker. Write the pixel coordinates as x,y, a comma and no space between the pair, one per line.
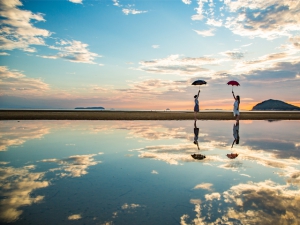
144,54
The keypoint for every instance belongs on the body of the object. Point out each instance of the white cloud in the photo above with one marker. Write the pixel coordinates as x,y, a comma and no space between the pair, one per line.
15,83
233,54
116,3
154,172
243,46
76,1
73,51
4,53
210,197
266,19
187,2
17,31
213,22
130,206
74,166
17,185
132,11
206,186
13,134
74,217
175,64
155,46
199,15
205,33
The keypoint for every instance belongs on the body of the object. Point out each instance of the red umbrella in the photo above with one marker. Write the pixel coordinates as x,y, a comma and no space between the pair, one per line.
233,83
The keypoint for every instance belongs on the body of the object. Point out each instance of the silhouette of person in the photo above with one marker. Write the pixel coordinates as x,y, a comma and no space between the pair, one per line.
236,134
196,107
196,133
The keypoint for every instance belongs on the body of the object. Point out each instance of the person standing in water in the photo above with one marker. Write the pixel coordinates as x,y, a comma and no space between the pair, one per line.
236,107
196,107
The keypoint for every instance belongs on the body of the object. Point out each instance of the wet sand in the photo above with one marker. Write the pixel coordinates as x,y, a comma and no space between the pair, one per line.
140,115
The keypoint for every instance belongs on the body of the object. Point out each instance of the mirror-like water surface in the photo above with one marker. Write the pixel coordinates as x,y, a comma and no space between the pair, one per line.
150,172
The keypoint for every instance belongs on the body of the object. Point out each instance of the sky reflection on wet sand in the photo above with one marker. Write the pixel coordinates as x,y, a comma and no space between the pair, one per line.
142,172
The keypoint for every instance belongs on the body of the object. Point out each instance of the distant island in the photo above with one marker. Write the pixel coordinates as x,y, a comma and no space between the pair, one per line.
274,105
96,107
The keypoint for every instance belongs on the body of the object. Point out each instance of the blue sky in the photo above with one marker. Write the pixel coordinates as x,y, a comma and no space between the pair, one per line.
145,54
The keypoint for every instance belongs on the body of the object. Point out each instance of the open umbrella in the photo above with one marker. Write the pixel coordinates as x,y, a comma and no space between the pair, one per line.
199,82
232,155
233,83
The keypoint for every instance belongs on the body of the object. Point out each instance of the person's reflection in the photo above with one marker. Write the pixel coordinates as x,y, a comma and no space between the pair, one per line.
196,134
236,134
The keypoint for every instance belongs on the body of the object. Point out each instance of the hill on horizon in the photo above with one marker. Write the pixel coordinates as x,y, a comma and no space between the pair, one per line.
274,105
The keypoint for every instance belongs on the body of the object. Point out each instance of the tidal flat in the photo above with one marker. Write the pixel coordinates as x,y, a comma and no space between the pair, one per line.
142,115
143,172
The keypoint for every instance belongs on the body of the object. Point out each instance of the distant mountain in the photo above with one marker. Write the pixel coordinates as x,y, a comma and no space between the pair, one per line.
274,105
97,107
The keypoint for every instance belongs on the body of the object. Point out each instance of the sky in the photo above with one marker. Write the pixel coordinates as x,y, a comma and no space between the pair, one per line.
144,54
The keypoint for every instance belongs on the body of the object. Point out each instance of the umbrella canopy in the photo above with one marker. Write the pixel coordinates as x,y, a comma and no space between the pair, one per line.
233,83
232,155
199,82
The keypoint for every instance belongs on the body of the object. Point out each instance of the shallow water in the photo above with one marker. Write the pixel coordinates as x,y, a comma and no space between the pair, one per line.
142,172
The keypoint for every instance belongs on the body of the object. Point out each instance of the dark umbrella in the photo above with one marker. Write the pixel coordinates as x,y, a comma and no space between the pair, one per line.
199,82
233,83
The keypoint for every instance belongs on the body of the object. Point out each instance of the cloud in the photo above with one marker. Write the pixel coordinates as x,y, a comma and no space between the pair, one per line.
205,33
154,172
295,41
17,31
73,166
155,46
130,206
75,217
17,184
15,83
199,15
187,2
267,201
266,19
76,1
264,202
210,197
233,54
206,186
4,53
132,11
175,64
73,51
15,134
213,22
116,3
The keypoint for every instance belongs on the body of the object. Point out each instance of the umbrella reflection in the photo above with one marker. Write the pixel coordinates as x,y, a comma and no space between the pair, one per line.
232,155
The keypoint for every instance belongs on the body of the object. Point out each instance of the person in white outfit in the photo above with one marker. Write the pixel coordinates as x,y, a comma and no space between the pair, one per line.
236,107
236,135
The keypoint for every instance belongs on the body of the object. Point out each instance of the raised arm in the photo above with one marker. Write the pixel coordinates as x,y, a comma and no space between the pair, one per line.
198,93
233,94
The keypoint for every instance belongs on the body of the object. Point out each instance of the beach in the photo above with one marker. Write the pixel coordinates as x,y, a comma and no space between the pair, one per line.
141,115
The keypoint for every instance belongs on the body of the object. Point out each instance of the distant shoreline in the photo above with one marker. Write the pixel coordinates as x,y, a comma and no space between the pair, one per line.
142,115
